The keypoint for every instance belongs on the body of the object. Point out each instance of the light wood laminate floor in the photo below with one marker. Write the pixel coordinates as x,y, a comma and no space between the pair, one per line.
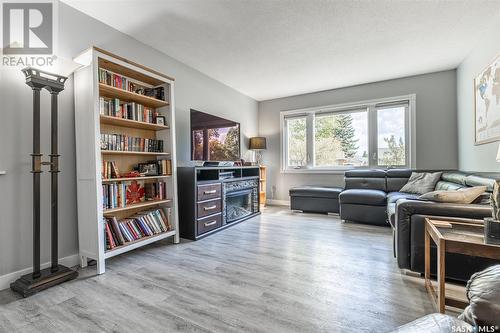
279,272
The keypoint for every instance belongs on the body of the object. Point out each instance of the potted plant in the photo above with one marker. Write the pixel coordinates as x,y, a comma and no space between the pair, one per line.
492,224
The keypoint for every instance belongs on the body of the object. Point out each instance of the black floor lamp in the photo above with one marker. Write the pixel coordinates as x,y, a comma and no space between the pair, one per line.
39,280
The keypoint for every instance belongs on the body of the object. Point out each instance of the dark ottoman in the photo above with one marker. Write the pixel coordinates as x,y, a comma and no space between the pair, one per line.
315,199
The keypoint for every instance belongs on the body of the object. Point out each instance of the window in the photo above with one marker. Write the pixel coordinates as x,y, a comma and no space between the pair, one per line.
340,139
366,134
391,135
297,150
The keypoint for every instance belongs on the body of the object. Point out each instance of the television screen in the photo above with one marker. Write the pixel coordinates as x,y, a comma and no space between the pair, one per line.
214,138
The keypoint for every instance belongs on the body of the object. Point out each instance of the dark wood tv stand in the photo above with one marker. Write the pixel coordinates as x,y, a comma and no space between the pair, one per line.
214,198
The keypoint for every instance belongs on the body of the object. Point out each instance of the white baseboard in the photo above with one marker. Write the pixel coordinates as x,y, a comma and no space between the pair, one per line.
7,279
273,202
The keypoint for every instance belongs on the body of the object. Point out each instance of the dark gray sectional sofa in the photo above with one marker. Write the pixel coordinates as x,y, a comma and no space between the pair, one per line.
374,197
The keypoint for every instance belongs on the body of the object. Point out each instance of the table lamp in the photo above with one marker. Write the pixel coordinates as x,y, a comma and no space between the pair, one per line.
258,144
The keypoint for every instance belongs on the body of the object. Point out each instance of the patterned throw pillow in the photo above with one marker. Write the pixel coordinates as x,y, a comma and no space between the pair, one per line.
421,182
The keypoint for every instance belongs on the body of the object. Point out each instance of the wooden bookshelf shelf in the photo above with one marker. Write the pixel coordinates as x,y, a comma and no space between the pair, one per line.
137,243
121,152
90,125
110,120
129,96
135,206
124,179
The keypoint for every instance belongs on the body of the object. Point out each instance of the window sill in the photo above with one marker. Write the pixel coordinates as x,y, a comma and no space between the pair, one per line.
339,171
316,171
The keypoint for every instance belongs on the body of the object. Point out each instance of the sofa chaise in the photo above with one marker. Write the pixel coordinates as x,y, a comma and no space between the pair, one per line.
374,197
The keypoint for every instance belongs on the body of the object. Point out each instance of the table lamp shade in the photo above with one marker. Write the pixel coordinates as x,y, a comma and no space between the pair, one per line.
498,154
257,143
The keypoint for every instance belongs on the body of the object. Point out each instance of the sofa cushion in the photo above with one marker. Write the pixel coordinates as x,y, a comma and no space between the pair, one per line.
365,179
456,177
392,197
391,214
422,182
465,195
482,180
397,178
443,185
316,191
363,197
435,323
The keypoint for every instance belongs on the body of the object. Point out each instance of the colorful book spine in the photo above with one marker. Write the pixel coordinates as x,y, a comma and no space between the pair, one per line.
143,224
121,142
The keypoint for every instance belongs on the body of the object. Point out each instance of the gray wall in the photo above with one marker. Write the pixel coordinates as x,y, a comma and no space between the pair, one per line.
76,33
471,157
436,124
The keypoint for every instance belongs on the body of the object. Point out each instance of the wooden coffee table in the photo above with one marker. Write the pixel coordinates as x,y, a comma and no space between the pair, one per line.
456,237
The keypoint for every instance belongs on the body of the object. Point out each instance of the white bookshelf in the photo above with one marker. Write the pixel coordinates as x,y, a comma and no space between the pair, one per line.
89,124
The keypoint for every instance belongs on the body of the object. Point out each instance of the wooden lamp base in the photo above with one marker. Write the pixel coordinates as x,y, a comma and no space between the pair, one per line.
26,285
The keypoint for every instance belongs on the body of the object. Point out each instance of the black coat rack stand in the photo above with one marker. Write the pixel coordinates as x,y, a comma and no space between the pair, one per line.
39,280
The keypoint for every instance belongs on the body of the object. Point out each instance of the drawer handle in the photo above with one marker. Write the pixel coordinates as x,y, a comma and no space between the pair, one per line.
210,207
208,224
210,192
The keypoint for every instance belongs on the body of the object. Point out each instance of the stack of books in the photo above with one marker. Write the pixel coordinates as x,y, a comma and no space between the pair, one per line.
143,224
121,142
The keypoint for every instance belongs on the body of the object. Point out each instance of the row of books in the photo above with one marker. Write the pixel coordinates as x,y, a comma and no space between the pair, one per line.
132,111
121,142
116,80
165,167
143,224
122,82
122,194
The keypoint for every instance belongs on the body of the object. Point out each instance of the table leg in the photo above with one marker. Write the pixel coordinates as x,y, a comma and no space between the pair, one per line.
441,276
427,251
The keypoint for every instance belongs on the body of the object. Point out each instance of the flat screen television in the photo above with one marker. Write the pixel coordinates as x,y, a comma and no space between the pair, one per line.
214,138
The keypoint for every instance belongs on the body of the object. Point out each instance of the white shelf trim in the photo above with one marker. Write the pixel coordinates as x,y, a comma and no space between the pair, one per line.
137,244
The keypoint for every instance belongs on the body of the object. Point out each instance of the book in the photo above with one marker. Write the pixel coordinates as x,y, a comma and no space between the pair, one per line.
143,224
110,244
134,192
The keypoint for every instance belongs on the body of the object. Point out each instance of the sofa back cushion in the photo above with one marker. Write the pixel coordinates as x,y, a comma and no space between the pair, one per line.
365,179
482,179
397,178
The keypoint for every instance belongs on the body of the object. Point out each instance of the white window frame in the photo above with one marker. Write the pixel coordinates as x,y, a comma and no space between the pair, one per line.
371,107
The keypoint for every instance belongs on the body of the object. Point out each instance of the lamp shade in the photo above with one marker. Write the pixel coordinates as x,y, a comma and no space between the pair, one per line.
258,143
498,154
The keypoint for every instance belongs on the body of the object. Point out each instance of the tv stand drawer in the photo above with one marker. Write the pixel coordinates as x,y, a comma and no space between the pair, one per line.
209,207
209,191
209,223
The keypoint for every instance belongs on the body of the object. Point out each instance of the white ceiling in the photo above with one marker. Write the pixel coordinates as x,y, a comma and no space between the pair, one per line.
269,49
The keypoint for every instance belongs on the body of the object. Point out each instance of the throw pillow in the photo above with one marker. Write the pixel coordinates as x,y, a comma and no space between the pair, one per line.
464,195
483,292
421,182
